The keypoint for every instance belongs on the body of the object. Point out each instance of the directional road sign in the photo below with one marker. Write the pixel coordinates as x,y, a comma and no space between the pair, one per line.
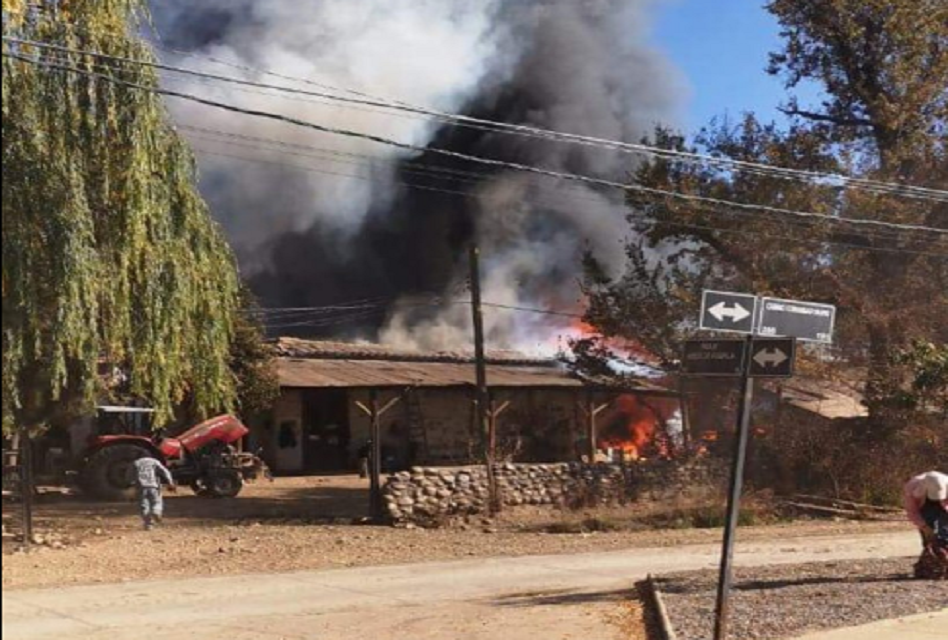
724,311
714,357
808,321
772,358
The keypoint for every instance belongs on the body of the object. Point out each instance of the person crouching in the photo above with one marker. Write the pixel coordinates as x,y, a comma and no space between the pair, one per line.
926,504
149,474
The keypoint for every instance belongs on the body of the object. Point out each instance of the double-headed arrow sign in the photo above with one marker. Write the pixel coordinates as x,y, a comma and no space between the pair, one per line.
722,311
772,357
769,358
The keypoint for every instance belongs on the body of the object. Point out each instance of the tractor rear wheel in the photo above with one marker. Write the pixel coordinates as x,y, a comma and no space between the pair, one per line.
108,472
223,483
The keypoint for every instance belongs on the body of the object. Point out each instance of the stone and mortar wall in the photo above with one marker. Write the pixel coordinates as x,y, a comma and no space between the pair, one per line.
430,493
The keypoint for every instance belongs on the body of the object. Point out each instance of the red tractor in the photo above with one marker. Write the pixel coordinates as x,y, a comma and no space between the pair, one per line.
204,457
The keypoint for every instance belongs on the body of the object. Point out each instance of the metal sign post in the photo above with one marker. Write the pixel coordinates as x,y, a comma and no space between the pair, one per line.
722,608
782,322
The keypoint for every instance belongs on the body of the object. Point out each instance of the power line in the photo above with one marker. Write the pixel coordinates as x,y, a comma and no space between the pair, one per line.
436,302
427,170
477,159
753,207
288,314
911,191
802,215
741,232
498,126
327,322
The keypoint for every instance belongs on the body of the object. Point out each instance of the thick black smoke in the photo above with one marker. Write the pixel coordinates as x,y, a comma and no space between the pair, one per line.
581,67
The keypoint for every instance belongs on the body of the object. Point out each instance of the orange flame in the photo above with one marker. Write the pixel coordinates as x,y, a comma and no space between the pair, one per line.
631,428
582,328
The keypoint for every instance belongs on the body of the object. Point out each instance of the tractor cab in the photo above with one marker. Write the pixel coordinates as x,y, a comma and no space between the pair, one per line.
113,420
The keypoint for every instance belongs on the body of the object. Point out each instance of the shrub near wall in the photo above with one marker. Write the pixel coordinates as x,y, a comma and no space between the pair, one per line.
431,493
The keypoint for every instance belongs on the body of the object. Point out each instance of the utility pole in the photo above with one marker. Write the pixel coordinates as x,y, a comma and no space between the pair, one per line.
482,398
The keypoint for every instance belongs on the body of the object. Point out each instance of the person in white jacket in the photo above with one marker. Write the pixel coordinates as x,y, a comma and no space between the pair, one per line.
149,474
926,504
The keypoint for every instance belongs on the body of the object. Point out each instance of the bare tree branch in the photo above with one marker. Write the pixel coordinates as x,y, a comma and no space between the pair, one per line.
823,117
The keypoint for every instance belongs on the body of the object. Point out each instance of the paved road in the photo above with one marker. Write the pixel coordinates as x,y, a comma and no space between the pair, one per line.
549,597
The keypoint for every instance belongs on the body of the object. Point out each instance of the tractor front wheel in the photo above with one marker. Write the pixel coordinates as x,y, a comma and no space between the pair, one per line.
220,483
199,487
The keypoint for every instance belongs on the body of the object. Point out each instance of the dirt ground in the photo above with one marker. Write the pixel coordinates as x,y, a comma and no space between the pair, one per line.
315,523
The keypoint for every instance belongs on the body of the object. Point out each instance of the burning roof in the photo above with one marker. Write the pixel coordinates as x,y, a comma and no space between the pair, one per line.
318,364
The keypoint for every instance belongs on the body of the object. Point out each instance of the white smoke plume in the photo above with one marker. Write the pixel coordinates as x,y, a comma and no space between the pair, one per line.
584,67
426,52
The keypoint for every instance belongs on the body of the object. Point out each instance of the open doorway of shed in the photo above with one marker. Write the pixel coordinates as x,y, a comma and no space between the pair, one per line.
326,434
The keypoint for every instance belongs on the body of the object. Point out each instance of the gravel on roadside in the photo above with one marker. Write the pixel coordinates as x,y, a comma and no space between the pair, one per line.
771,603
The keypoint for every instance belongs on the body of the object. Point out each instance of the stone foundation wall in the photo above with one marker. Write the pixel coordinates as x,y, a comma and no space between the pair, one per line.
430,493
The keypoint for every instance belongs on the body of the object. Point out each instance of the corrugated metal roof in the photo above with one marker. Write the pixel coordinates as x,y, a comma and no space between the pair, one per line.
830,405
325,349
312,372
831,400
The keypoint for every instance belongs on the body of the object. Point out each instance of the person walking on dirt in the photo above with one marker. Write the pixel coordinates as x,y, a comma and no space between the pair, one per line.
926,504
149,474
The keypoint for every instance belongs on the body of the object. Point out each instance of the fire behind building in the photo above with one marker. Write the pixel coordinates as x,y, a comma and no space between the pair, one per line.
318,427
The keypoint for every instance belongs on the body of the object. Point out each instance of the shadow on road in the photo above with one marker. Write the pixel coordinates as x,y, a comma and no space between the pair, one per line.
563,597
313,500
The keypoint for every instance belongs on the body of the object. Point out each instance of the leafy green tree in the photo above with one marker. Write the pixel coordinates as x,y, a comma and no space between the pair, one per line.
253,361
926,373
883,69
110,258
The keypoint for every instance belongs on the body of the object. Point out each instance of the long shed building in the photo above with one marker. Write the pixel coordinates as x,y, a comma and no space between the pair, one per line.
319,424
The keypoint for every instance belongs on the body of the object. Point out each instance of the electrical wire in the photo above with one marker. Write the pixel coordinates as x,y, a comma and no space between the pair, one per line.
912,191
468,194
516,166
436,302
334,156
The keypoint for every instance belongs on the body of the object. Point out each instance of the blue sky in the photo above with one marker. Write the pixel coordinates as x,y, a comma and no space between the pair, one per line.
721,47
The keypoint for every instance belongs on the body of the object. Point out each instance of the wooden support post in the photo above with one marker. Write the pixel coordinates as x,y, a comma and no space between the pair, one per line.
375,413
591,410
495,411
375,462
685,411
493,491
26,485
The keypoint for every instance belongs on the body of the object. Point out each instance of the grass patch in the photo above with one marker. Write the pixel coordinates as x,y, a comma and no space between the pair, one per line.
708,516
